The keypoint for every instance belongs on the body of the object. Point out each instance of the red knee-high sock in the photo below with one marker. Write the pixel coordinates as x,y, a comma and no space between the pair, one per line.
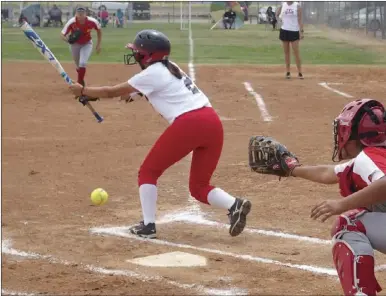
81,73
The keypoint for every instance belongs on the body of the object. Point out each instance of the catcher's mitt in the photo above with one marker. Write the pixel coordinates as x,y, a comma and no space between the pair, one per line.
74,36
267,156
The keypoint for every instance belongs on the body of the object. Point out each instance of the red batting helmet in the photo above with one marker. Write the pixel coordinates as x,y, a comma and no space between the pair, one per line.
363,120
149,46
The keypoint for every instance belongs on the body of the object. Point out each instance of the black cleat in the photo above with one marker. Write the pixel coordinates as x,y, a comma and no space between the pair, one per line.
238,216
300,76
142,230
288,75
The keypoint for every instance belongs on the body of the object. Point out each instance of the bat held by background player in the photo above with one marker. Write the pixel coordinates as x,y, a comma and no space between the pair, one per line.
49,56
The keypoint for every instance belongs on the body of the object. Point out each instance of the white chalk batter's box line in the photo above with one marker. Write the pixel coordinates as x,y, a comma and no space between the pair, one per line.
194,215
124,232
259,101
327,86
6,247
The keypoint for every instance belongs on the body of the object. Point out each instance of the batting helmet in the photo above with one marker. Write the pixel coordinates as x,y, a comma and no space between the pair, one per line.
363,120
149,46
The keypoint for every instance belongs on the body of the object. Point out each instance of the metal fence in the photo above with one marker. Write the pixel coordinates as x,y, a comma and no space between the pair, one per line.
362,16
133,11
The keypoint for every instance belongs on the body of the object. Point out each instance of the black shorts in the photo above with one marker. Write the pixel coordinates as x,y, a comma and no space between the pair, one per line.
289,36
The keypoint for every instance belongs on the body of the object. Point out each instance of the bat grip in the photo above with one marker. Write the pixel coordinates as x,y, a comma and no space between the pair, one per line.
84,102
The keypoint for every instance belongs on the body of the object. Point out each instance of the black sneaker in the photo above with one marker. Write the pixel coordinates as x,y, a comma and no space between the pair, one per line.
288,75
142,230
238,216
301,76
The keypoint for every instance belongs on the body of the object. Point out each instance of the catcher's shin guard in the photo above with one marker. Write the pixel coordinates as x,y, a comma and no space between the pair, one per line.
351,253
356,273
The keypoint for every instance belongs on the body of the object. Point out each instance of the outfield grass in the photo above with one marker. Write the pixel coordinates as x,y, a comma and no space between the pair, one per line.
250,45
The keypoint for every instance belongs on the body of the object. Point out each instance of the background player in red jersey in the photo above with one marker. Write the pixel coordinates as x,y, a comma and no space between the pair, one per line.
77,32
359,135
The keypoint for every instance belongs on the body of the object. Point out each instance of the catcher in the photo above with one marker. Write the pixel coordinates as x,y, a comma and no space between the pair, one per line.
77,32
360,138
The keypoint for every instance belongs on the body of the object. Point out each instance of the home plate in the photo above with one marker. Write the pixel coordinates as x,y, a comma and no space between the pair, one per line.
172,259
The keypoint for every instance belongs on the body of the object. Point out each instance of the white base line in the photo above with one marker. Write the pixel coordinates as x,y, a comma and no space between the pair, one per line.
380,267
259,101
123,232
7,292
325,85
198,218
192,72
7,249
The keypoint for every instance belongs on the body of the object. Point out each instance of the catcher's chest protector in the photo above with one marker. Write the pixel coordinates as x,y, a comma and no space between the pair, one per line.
346,182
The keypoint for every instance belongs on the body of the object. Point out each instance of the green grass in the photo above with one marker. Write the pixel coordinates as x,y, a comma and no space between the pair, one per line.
250,45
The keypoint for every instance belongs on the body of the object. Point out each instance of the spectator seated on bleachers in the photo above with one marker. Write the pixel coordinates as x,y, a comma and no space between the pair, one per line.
103,16
271,17
55,16
229,18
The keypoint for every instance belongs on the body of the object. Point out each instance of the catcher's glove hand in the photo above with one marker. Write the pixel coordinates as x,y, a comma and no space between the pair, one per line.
267,156
74,36
85,99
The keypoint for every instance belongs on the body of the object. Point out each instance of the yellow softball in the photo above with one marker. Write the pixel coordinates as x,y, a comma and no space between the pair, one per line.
99,197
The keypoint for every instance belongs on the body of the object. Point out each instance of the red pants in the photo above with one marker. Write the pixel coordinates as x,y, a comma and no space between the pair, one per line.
199,131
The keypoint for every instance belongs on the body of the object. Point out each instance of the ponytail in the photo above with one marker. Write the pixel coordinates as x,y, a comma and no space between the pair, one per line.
173,69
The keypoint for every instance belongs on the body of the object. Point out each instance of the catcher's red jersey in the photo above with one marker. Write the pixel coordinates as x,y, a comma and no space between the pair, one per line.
356,174
86,28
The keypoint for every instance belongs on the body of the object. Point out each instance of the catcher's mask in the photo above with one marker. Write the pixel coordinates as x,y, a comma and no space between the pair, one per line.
363,120
149,46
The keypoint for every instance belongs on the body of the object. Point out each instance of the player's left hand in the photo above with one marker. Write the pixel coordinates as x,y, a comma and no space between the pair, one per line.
98,49
327,208
76,89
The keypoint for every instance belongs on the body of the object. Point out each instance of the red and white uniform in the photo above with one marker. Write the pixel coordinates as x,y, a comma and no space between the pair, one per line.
357,233
194,126
356,174
169,96
82,49
86,28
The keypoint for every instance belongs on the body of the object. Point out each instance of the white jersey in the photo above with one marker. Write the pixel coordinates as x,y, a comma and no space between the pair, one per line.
289,16
169,95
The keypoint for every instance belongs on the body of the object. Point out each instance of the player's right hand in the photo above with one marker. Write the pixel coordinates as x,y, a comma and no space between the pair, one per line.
98,49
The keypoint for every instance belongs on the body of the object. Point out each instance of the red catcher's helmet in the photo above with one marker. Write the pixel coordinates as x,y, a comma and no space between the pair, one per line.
149,46
363,120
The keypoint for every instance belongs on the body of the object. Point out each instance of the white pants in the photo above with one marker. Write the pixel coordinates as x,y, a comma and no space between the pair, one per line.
81,53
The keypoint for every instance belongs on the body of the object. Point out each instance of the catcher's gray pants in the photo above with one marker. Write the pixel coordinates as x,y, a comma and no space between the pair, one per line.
81,53
375,237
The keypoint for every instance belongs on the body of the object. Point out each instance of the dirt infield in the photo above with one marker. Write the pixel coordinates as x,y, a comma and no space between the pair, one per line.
55,154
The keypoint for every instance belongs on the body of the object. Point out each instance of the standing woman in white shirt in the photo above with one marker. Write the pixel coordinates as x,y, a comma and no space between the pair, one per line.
290,33
194,126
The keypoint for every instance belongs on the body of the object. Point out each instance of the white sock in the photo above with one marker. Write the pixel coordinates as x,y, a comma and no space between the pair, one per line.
221,199
148,196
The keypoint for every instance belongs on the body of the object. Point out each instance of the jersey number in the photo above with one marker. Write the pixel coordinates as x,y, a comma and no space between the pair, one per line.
190,85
